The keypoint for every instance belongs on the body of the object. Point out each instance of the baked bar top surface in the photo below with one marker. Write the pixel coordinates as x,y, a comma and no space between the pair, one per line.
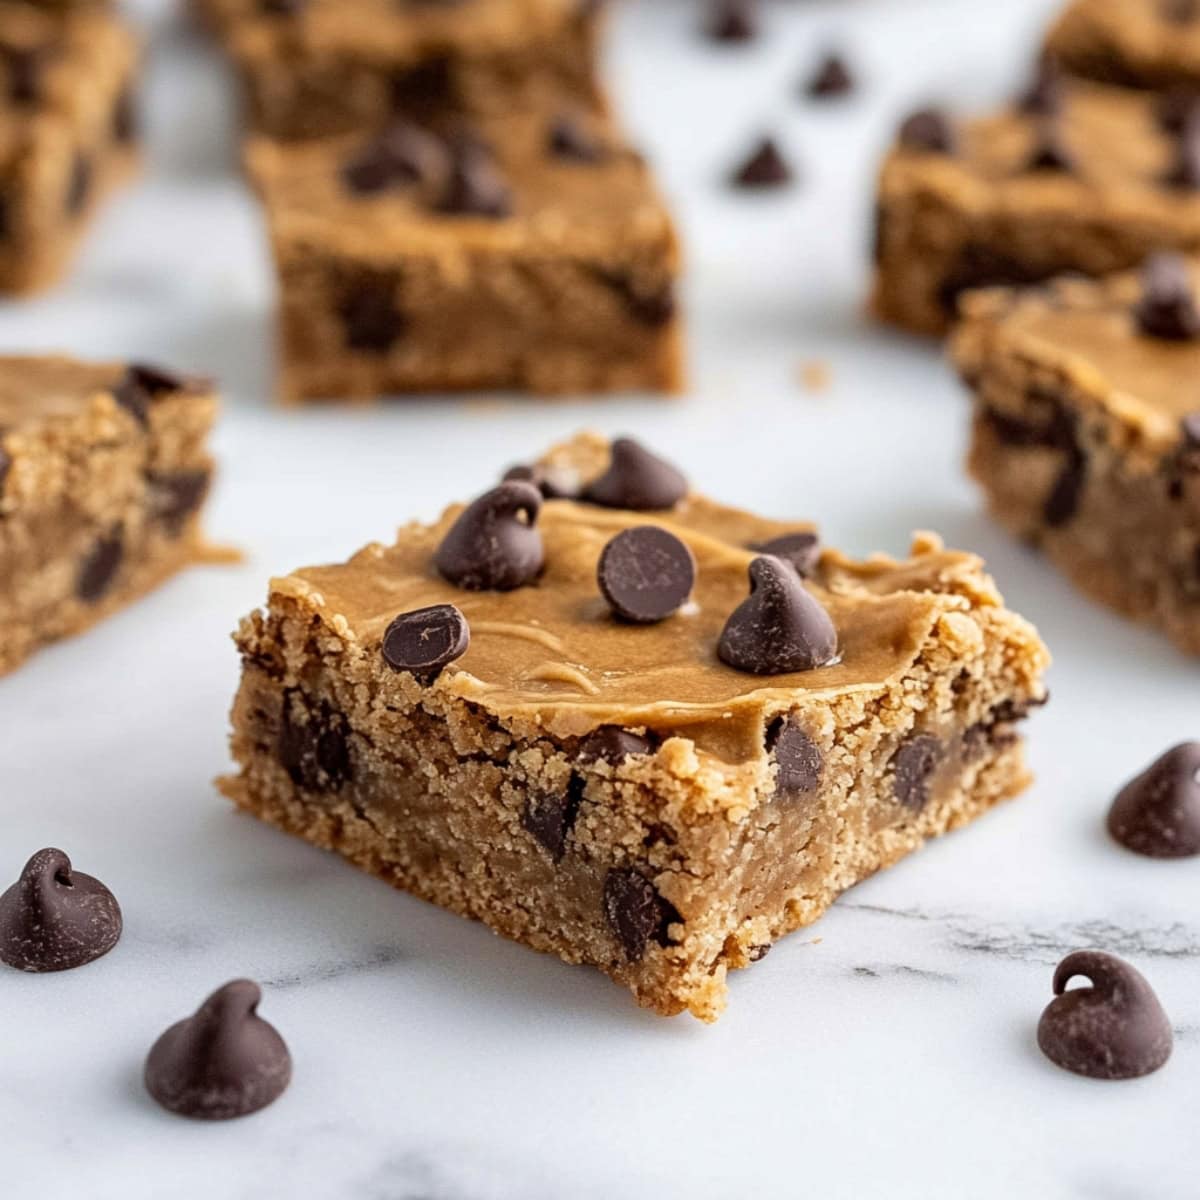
1119,150
558,205
1138,31
35,389
385,29
1088,331
552,654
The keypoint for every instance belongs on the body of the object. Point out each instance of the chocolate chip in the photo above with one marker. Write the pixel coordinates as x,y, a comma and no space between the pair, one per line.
141,386
733,20
1050,151
426,640
765,166
314,743
550,816
1066,493
797,756
100,565
369,313
646,574
1167,308
802,549
1044,95
636,480
1158,812
780,627
1184,172
79,185
913,766
831,78
1175,109
223,1062
612,744
475,186
281,8
55,918
553,483
653,307
1179,12
401,154
174,496
26,72
928,129
635,912
425,91
494,545
569,139
125,117
1116,1029
981,265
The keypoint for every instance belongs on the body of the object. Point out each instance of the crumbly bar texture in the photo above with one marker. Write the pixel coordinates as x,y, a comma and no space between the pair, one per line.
1081,447
1133,43
572,289
324,67
482,791
66,133
983,215
103,470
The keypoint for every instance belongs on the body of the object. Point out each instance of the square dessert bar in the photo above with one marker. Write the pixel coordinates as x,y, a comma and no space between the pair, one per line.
312,68
1087,433
525,254
1135,43
625,724
66,133
103,470
1073,176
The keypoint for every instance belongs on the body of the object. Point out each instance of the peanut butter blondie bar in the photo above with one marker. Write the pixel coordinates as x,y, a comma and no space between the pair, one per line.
523,254
1073,176
1135,43
625,724
312,68
103,470
66,133
1087,433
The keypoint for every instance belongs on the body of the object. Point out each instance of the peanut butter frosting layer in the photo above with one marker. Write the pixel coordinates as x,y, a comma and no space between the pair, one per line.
552,653
1088,332
557,205
39,388
1118,148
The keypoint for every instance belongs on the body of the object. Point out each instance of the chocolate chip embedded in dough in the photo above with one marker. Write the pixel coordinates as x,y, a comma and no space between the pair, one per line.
79,184
636,479
569,139
314,743
141,385
780,628
646,574
612,744
928,129
635,912
494,545
426,640
913,766
1066,493
474,186
223,1062
550,816
1167,307
652,306
173,496
27,72
1179,12
370,314
797,757
1176,108
282,8
55,918
1184,172
1043,97
763,167
1158,812
802,549
1116,1029
100,566
831,78
1050,151
401,154
733,21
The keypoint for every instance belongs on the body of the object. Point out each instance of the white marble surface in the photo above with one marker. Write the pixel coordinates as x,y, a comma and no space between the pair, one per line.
889,1051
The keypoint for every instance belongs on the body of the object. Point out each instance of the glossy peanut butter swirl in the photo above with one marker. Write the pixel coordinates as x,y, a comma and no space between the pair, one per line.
552,652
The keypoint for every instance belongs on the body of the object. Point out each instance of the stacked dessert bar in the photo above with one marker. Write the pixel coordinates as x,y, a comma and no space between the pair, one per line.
450,204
